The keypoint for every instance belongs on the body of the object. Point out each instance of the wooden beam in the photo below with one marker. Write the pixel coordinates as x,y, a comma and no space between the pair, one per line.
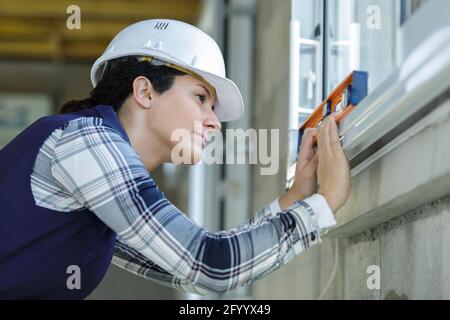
49,50
19,49
35,29
186,10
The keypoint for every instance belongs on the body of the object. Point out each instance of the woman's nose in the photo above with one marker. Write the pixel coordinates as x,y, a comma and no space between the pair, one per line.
211,122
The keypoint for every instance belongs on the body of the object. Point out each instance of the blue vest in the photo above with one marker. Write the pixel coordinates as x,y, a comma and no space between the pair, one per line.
38,246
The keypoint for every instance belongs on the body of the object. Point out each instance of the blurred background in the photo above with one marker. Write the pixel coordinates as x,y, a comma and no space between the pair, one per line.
286,56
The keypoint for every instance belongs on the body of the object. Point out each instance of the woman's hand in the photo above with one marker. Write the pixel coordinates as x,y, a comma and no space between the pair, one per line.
305,181
333,170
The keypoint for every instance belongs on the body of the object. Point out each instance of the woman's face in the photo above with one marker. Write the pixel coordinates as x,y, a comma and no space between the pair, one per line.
182,117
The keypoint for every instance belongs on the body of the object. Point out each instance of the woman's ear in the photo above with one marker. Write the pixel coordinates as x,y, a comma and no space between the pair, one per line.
143,92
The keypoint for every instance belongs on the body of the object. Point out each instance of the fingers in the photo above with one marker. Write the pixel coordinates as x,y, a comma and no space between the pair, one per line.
307,147
308,138
315,160
328,138
322,144
333,129
329,133
333,171
324,137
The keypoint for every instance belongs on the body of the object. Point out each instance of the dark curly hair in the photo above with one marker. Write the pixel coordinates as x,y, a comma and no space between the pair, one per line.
116,83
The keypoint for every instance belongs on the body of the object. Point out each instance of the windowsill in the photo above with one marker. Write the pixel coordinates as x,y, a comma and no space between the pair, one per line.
417,172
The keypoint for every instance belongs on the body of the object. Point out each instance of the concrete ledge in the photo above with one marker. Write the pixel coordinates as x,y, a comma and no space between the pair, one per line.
415,173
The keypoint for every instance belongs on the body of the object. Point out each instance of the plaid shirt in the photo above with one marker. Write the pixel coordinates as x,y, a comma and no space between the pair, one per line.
86,164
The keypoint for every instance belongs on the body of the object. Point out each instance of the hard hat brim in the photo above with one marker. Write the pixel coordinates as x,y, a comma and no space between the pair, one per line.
229,105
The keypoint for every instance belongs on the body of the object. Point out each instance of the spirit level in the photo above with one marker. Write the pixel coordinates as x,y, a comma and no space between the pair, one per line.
342,100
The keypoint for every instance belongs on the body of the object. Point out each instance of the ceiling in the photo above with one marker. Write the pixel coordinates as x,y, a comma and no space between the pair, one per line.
36,30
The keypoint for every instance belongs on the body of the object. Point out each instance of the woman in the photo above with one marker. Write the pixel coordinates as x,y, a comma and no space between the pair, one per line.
76,192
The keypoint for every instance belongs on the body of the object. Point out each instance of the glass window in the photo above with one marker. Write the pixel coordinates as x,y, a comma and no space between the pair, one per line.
306,29
409,7
360,35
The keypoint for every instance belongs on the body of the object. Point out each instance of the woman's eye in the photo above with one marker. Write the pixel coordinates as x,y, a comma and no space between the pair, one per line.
201,97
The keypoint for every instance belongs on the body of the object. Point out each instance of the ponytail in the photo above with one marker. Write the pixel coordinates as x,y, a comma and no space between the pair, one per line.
75,105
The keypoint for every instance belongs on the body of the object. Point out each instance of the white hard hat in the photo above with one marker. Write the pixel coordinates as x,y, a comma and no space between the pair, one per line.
180,44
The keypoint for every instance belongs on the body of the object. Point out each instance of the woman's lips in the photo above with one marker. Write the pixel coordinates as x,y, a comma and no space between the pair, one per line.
204,138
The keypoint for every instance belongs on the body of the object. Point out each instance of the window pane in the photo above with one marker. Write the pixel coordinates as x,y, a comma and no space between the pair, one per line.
360,36
409,7
415,4
309,76
308,15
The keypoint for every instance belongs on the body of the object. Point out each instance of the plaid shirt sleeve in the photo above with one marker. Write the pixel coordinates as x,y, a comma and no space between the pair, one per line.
133,261
103,173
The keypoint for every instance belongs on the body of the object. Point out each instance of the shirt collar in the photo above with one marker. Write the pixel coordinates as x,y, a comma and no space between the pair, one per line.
111,118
